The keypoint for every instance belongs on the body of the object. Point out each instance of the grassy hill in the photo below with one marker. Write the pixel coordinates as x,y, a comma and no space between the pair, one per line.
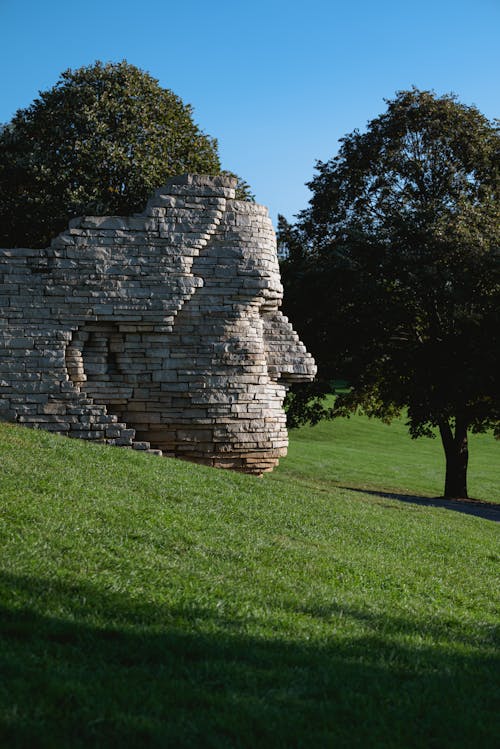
364,453
154,603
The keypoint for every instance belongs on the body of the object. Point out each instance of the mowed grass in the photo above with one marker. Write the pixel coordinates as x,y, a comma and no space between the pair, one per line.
365,453
147,602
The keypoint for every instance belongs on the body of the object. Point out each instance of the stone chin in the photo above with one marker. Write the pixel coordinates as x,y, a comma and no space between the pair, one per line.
161,330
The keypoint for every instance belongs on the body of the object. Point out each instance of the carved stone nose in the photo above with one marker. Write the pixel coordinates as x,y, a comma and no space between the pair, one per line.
287,358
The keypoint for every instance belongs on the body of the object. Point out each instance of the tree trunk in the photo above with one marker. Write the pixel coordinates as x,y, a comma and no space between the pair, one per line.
457,458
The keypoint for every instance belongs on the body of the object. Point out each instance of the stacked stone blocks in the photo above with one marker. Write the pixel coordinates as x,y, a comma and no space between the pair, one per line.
160,331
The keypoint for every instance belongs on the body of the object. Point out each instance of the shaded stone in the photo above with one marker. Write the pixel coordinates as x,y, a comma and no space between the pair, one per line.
161,331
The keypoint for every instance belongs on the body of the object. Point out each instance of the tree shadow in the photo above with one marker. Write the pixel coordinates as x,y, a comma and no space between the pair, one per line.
485,510
113,671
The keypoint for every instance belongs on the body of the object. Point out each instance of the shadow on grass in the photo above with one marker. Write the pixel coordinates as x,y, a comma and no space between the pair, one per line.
110,671
485,510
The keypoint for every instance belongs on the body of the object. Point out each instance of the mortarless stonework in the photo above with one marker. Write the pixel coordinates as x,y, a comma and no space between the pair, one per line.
161,330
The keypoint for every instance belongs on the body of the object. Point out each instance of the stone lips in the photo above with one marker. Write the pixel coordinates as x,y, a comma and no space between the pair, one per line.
159,331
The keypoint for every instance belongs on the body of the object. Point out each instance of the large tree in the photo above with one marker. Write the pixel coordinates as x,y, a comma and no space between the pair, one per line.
392,274
98,142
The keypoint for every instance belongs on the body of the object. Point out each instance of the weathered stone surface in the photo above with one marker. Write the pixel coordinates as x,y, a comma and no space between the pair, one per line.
160,332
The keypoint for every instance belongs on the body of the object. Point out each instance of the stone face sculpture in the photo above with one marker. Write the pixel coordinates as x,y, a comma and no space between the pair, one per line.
158,330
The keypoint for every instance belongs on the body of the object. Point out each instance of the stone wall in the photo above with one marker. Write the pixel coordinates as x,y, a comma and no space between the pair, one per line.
159,331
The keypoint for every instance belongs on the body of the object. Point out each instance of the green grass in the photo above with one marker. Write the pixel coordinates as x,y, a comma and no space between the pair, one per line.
362,452
154,603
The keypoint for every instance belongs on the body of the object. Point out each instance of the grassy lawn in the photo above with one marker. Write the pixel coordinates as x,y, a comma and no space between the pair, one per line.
364,453
146,602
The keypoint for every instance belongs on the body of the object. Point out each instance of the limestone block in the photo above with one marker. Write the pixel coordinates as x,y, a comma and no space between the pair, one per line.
159,332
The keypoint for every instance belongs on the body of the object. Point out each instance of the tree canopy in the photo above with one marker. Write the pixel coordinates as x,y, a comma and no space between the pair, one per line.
392,274
98,142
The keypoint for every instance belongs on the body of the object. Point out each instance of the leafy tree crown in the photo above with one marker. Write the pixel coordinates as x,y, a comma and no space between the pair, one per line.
98,142
392,272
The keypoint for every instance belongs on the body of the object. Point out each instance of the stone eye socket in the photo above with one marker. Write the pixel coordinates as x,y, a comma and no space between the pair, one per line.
93,355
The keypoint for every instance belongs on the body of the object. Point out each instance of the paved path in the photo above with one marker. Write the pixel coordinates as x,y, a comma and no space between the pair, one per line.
484,510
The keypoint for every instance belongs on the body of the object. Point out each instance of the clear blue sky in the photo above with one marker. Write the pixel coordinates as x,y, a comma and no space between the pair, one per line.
278,82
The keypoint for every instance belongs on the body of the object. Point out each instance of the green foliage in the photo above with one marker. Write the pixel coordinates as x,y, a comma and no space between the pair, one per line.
98,142
392,274
305,404
149,602
243,189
